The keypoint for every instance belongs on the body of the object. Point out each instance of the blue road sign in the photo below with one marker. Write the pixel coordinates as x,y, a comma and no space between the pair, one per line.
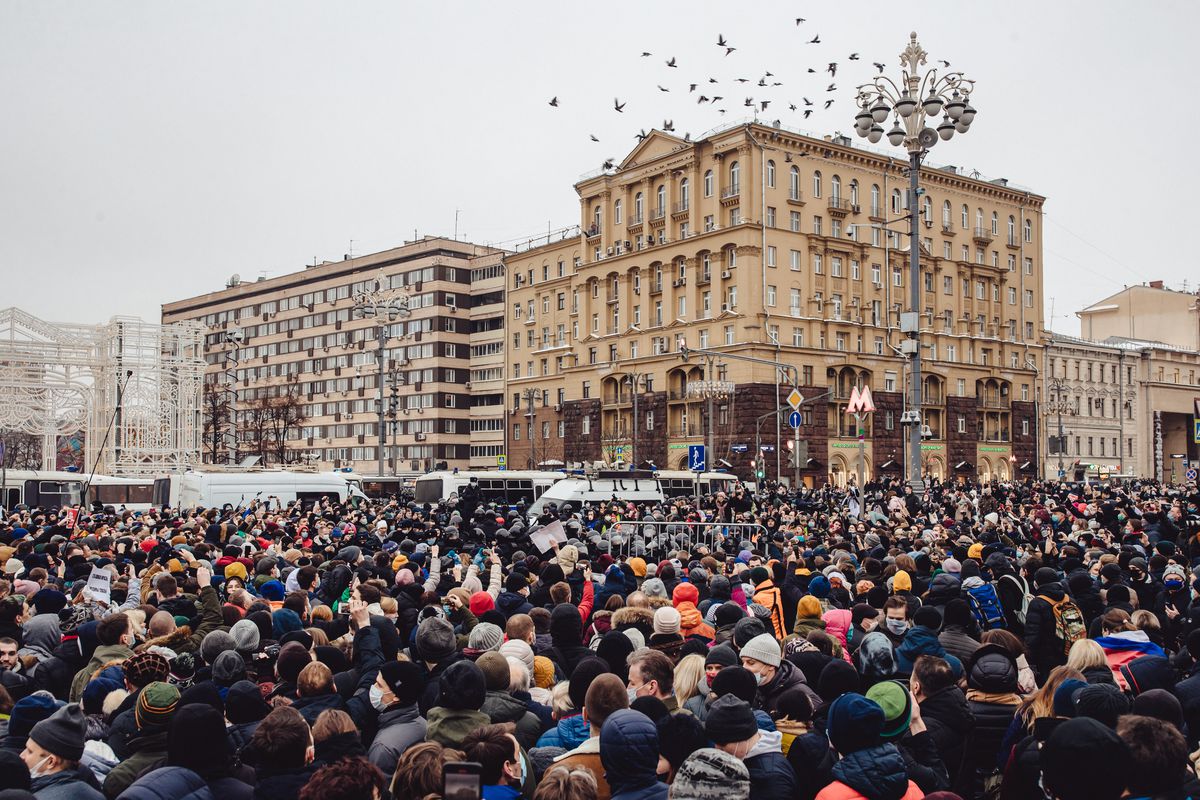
696,457
794,419
739,448
1190,475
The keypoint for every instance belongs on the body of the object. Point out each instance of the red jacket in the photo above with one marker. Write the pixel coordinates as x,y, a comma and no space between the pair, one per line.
840,791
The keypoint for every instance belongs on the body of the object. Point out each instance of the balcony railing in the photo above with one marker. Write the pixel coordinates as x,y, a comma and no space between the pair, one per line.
593,230
983,235
658,213
680,207
1014,241
686,430
841,204
993,403
730,191
634,219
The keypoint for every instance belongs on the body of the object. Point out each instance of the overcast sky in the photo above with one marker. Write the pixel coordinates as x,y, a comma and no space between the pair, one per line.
152,149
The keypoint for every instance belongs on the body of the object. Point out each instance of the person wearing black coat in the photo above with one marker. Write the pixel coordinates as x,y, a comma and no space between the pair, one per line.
566,631
944,708
197,741
993,700
1046,650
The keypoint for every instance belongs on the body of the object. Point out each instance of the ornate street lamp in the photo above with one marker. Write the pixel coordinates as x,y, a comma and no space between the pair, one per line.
385,305
915,102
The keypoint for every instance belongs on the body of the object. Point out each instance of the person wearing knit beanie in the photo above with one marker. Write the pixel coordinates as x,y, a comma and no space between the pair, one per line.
855,723
400,684
837,678
666,621
819,587
245,637
520,650
710,774
481,603
543,672
435,640
51,754
730,719
291,659
727,614
485,637
763,649
155,705
736,681
462,687
717,659
228,669
896,702
1102,702
1064,697
746,629
1084,760
496,673
214,644
654,587
901,582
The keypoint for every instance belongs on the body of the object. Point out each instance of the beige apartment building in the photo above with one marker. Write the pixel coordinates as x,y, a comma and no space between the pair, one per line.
1126,407
301,347
1149,312
760,242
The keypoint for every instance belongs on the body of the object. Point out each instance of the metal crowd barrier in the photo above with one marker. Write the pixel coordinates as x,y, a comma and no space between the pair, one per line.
624,537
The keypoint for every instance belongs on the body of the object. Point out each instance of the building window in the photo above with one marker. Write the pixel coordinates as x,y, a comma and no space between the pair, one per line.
617,213
735,172
729,334
794,184
797,337
685,193
770,255
585,425
1029,298
795,259
771,293
770,216
817,183
1029,230
962,424
771,174
818,267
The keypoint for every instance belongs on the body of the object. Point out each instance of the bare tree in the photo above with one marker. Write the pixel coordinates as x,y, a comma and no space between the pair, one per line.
21,450
216,419
284,421
255,427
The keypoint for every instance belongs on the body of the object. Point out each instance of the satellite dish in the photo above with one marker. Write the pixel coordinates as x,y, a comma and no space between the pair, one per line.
927,137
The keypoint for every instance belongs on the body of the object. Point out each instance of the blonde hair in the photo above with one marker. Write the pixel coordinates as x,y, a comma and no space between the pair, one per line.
688,672
1041,703
560,700
322,612
1086,654
319,637
1145,621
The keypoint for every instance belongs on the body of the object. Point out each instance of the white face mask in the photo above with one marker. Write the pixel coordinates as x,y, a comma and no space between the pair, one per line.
897,626
376,696
36,772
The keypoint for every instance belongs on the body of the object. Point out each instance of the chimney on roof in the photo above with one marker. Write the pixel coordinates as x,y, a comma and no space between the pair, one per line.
1156,284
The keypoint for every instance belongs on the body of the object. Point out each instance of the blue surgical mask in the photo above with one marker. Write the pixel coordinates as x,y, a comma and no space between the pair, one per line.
376,696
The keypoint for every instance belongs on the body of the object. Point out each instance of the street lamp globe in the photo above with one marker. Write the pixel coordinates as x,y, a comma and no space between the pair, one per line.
896,134
863,120
946,129
906,105
932,104
875,134
879,111
956,105
967,115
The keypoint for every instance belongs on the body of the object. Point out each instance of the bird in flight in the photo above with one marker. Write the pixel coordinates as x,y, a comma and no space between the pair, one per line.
662,89
832,68
832,87
764,104
853,56
721,41
671,61
592,136
618,105
807,113
807,102
646,54
742,80
879,66
800,19
729,50
815,40
945,64
692,87
701,99
640,135
687,137
554,101
791,106
749,102
828,103
608,164
717,97
712,80
669,125
762,81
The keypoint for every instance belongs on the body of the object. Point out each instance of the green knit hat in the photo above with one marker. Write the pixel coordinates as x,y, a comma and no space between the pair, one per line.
155,705
896,702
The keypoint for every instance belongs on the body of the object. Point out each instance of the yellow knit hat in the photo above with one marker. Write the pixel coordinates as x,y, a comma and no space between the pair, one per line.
975,551
543,672
902,582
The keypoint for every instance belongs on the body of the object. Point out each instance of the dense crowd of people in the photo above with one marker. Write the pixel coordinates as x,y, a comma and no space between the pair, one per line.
1007,640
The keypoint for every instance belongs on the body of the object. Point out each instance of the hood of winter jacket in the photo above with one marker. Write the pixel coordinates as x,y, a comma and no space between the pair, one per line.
449,727
917,642
566,628
503,707
877,772
43,634
629,750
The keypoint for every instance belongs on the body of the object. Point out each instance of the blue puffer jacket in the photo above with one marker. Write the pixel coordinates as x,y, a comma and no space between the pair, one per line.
168,783
919,642
569,733
629,753
876,772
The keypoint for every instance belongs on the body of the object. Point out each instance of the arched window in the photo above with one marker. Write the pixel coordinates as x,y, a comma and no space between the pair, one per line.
995,224
617,212
927,210
897,201
684,194
596,217
979,218
854,193
708,183
946,214
662,198
1028,230
735,173
730,257
794,184
771,174
817,183
1012,229
875,206
966,217
638,207
835,188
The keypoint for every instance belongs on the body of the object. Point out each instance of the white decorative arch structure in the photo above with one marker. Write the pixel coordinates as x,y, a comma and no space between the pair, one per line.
64,379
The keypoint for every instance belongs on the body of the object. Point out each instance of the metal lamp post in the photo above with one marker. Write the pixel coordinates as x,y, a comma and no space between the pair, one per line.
531,396
709,390
916,101
1059,402
385,305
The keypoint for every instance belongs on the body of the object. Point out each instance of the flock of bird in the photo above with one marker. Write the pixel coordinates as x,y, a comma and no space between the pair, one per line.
756,94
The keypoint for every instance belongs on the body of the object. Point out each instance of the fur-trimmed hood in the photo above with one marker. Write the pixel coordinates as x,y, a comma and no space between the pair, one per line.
633,616
171,641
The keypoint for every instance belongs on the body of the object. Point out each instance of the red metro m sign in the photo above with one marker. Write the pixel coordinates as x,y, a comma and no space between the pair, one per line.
860,401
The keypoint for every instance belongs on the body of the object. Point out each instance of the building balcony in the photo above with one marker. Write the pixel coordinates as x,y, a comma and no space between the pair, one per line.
730,195
993,403
841,206
983,235
796,199
1013,242
635,219
680,209
657,216
678,431
948,230
593,231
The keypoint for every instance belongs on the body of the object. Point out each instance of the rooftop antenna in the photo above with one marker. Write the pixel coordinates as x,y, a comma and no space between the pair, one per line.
456,224
351,253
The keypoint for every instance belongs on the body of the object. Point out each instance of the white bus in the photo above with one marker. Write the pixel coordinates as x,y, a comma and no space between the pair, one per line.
41,489
135,494
385,487
210,489
502,487
681,483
